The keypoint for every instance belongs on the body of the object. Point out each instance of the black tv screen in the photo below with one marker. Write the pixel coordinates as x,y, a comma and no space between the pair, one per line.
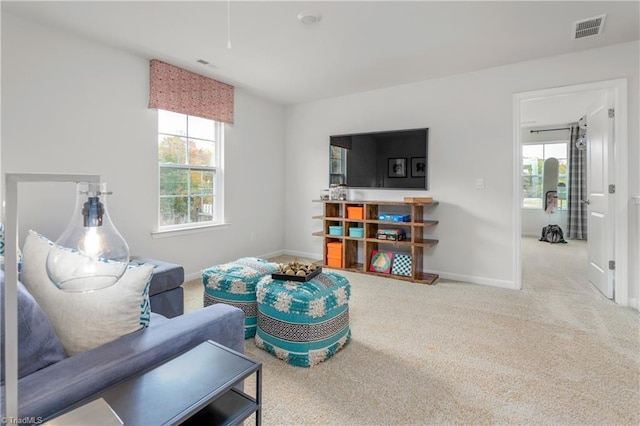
396,159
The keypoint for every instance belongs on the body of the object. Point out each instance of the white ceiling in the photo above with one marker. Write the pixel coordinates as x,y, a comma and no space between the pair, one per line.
357,46
556,110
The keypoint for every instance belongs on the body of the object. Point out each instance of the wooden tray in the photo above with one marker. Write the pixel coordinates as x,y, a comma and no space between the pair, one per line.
285,277
418,199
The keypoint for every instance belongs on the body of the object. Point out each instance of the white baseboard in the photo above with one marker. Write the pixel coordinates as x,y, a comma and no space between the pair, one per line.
272,254
491,282
304,254
193,276
530,234
445,275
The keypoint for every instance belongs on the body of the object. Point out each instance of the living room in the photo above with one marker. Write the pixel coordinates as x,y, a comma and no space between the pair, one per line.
74,103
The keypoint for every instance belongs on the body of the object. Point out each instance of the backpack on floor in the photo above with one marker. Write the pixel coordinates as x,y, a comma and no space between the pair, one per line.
552,234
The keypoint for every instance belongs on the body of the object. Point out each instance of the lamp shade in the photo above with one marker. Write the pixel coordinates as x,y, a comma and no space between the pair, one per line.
90,254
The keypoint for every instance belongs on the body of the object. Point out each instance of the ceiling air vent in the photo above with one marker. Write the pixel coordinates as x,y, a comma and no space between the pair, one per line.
588,27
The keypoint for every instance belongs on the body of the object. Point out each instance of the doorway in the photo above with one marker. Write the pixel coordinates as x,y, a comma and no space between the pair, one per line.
582,94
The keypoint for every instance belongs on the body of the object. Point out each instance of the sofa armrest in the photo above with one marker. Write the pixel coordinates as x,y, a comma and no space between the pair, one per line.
166,276
47,392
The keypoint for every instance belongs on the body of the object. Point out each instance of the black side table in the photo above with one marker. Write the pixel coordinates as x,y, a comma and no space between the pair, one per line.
194,388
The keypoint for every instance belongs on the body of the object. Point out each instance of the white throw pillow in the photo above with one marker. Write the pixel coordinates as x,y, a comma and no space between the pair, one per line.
83,321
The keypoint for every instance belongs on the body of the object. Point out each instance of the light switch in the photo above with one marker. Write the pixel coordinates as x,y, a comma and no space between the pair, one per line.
479,183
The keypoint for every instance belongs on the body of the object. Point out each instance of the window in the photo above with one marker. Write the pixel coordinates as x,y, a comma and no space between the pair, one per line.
190,170
338,166
533,156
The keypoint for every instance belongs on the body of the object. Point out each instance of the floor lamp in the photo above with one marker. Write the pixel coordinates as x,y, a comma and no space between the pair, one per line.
11,181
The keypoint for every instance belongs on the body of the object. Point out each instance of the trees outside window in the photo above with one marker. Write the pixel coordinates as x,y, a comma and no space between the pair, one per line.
189,169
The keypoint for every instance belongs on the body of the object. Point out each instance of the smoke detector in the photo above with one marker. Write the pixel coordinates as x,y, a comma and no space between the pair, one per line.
309,17
588,27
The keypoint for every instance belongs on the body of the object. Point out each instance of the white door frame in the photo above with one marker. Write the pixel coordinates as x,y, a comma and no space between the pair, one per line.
618,89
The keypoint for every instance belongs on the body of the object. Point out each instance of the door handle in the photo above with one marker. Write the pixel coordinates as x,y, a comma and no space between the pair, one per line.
587,202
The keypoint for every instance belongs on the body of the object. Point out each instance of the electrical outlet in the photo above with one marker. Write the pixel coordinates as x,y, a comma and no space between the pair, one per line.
479,183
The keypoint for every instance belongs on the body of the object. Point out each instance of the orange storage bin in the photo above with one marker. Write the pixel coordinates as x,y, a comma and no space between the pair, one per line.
335,262
355,213
334,254
334,250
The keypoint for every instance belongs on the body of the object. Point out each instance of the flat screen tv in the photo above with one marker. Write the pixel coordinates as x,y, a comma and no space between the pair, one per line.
397,159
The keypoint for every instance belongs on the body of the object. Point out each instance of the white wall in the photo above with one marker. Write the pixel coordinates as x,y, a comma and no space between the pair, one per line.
634,255
470,119
73,105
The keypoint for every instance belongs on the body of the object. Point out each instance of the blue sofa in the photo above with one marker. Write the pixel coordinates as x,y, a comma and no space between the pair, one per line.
166,294
47,392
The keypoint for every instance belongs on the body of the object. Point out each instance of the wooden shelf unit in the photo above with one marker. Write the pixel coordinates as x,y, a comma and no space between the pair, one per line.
335,214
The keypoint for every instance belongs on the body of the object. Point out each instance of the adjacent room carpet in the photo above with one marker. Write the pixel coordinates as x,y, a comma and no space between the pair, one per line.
556,352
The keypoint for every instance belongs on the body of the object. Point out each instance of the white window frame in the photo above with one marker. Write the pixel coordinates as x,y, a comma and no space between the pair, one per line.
218,188
552,142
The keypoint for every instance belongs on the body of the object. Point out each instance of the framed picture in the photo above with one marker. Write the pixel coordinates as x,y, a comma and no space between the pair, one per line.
381,261
401,265
418,166
397,168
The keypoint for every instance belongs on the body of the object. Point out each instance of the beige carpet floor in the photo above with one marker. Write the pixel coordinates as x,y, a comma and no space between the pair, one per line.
556,352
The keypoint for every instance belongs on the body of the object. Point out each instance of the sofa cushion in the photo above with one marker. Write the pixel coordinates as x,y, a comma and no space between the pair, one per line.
84,321
38,345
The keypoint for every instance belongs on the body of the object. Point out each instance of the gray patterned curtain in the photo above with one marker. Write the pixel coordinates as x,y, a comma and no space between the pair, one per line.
577,218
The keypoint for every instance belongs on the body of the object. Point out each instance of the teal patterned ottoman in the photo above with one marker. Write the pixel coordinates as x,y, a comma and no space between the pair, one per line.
303,323
234,284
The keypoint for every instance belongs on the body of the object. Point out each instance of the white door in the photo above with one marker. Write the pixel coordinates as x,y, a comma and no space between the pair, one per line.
599,203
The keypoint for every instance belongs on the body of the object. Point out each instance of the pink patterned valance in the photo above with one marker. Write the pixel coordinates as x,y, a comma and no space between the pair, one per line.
178,90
